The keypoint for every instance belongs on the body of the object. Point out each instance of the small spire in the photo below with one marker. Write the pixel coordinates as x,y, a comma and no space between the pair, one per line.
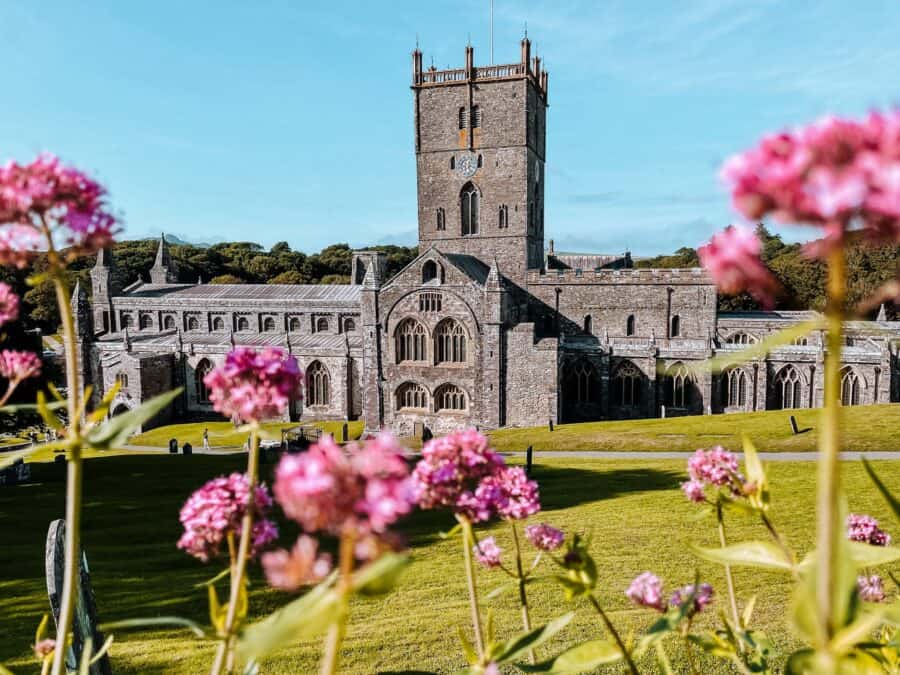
526,30
493,277
164,270
882,313
199,279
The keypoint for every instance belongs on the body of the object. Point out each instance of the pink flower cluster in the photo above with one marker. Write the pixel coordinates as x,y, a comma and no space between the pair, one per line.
46,189
16,366
303,565
365,489
254,386
9,304
871,588
702,598
865,529
647,591
462,472
216,509
487,552
544,537
732,258
716,467
834,172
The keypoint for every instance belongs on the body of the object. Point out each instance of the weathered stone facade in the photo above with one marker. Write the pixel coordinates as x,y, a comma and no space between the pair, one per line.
485,327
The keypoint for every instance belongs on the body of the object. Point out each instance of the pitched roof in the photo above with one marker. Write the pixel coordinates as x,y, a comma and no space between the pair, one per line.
329,292
472,267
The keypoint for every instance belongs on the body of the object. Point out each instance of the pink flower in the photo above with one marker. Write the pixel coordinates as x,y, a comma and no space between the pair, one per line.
64,198
253,386
865,529
514,497
16,366
449,473
693,490
366,489
716,467
833,173
487,552
732,260
18,245
702,599
44,648
871,588
544,537
9,304
492,669
646,591
301,566
215,511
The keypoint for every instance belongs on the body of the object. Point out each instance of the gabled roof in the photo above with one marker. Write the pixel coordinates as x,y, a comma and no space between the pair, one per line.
469,265
330,292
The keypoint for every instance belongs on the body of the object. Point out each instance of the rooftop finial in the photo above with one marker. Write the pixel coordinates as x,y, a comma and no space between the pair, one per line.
526,30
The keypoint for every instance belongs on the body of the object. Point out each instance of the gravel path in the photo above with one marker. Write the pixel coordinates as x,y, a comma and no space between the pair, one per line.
850,456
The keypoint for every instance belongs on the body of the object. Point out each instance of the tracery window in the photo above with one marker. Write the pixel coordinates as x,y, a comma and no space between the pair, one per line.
450,342
582,384
627,385
200,372
681,386
449,397
122,379
430,302
741,339
441,220
318,384
849,387
787,389
411,338
412,396
469,209
734,382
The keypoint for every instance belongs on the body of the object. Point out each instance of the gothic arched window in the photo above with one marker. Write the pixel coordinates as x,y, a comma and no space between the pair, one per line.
269,324
589,324
629,325
318,384
441,220
127,320
349,325
849,387
734,388
787,388
801,341
412,396
294,324
450,342
430,271
411,338
122,379
503,217
469,208
321,325
681,388
627,385
242,323
200,372
192,323
582,384
218,323
675,330
169,322
449,397
146,321
741,339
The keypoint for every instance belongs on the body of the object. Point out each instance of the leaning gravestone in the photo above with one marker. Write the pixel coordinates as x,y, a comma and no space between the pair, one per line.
173,446
187,449
84,622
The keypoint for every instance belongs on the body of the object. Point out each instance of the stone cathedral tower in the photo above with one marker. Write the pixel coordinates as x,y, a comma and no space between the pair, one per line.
480,150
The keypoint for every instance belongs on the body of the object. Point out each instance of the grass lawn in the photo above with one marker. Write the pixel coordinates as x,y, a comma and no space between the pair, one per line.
223,433
865,428
635,510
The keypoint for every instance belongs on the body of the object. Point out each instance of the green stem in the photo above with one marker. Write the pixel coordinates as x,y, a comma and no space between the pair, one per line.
729,578
74,476
523,597
338,629
829,478
468,538
224,652
618,638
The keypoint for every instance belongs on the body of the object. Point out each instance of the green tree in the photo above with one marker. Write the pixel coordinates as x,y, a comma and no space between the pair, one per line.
227,279
289,277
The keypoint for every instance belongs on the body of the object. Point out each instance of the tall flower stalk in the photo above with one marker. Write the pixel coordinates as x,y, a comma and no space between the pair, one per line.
468,544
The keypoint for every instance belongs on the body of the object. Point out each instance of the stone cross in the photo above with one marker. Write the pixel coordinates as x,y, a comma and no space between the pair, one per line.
84,623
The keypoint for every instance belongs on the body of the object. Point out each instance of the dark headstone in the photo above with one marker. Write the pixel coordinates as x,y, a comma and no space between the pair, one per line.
550,424
345,433
173,446
59,459
85,622
529,458
794,428
187,449
17,472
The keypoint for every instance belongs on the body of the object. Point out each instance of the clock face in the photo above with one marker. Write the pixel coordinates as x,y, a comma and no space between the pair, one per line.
467,165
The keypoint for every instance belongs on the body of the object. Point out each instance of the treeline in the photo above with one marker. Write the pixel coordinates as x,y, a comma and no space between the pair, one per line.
803,279
226,263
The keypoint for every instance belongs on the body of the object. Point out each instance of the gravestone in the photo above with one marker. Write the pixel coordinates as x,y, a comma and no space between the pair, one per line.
173,446
345,433
550,424
59,459
187,449
529,457
794,428
17,472
84,622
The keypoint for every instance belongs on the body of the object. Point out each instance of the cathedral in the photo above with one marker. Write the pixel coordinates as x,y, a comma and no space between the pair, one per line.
487,327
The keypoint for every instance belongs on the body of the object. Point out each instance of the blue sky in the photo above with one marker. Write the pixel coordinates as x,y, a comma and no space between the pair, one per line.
271,121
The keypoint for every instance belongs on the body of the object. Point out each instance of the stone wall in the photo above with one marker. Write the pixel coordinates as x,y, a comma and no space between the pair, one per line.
532,370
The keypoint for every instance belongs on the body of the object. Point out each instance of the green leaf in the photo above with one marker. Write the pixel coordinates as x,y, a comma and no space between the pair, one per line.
748,612
866,555
452,532
747,554
468,647
299,619
501,589
100,652
117,430
662,660
756,475
380,576
523,642
892,501
760,349
5,671
859,631
84,668
582,658
713,644
154,622
49,418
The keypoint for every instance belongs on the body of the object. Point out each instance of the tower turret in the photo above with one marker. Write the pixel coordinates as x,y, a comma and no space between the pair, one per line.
164,270
103,289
